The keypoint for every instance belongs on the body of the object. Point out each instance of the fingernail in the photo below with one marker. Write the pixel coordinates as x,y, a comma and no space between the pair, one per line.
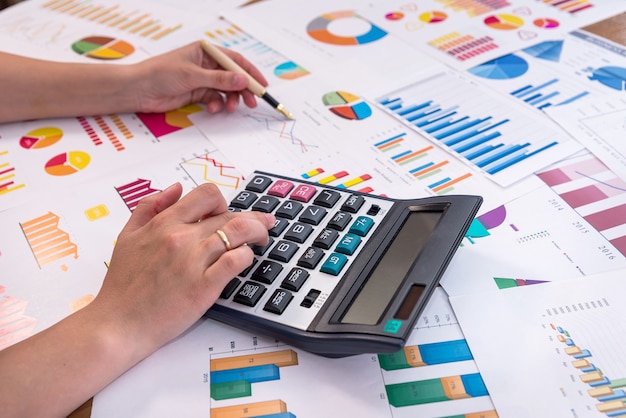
240,79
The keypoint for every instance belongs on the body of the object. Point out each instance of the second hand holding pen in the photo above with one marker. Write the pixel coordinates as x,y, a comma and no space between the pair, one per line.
254,86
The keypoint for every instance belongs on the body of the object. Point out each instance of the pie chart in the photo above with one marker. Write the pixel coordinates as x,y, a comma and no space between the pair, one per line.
611,76
433,17
547,50
504,22
103,48
289,71
502,68
347,105
546,23
41,138
318,29
67,163
394,16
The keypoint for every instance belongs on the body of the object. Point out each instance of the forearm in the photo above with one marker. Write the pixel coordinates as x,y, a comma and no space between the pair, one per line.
55,371
34,89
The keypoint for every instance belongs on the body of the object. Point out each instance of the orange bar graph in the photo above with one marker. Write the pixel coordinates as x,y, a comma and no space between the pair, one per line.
279,358
430,169
601,391
611,406
409,157
47,241
250,410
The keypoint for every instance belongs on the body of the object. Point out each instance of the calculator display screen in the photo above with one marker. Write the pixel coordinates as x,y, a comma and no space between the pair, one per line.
379,289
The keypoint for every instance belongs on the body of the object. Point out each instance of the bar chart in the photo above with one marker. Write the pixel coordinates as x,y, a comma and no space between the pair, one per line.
47,240
500,140
233,377
595,193
132,21
439,174
474,7
8,181
131,193
610,394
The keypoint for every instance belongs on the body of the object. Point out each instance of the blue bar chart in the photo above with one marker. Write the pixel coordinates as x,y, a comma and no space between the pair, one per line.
439,175
546,94
496,137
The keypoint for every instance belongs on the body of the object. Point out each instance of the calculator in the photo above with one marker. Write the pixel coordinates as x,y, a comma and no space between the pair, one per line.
344,272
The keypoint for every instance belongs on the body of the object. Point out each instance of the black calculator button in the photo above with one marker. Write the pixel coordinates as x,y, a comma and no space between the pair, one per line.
303,193
249,293
290,209
295,279
313,215
298,232
259,184
243,200
353,203
310,298
310,258
266,204
278,301
261,249
373,210
327,198
340,220
247,269
326,238
230,288
232,209
283,251
267,271
280,188
279,227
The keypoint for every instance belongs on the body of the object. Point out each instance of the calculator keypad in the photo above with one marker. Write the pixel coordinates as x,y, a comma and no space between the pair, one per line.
318,233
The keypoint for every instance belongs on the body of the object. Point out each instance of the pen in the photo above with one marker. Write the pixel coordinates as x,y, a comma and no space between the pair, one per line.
254,86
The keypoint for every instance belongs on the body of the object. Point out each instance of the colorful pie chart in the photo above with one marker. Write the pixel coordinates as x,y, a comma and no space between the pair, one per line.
546,23
318,29
67,163
103,48
433,17
41,138
394,16
347,105
504,22
289,71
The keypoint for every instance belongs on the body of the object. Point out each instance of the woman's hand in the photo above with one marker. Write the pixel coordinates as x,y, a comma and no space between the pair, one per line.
188,75
169,265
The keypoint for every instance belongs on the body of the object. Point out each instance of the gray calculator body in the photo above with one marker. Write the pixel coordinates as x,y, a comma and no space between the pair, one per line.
345,272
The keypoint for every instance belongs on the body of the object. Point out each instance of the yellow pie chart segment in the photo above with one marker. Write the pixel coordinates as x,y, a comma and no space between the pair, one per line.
41,138
67,163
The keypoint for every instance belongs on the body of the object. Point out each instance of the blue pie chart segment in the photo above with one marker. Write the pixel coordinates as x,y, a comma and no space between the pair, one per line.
501,68
548,50
610,76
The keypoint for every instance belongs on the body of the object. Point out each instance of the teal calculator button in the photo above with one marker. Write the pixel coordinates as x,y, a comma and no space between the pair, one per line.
361,226
334,263
348,244
393,326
